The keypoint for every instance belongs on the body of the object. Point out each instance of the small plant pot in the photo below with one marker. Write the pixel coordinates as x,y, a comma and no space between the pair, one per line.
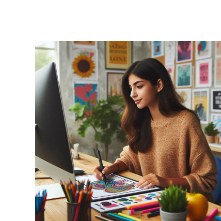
165,216
210,139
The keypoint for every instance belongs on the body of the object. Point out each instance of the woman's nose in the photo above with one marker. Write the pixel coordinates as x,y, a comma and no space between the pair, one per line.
132,93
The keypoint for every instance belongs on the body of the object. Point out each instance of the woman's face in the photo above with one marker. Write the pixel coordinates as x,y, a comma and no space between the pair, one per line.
143,93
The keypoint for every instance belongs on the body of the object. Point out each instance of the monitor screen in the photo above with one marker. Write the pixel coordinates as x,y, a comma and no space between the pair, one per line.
52,149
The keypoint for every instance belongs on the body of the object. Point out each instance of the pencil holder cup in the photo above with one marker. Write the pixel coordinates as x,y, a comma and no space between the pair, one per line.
79,211
40,216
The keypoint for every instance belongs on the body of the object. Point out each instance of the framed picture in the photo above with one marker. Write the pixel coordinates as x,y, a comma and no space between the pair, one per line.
216,119
200,104
184,75
204,73
86,93
218,48
84,63
216,100
113,83
185,94
184,51
203,49
157,49
118,54
170,70
217,72
170,52
84,44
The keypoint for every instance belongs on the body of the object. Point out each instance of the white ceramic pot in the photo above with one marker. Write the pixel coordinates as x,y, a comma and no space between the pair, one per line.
165,216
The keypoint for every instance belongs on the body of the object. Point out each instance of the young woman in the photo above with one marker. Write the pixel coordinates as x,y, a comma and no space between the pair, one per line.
166,142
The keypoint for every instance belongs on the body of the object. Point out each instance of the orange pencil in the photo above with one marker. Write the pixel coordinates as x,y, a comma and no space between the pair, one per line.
78,206
73,189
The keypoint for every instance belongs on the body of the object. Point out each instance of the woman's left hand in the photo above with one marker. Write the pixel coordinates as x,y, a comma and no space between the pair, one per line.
151,180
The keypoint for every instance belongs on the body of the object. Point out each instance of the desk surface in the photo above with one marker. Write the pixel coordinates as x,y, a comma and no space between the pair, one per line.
56,209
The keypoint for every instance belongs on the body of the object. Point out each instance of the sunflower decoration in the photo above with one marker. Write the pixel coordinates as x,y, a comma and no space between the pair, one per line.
83,66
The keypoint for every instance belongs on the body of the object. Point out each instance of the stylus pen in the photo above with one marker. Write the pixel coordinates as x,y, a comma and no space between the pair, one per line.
101,165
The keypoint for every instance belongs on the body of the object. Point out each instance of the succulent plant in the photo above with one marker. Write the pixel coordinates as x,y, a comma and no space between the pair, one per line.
173,199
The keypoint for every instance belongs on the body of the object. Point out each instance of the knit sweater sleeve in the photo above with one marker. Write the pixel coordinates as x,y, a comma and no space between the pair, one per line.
131,160
202,163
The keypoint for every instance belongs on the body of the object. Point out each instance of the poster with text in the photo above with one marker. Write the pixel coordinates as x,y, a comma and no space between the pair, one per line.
86,93
185,94
157,49
84,63
216,100
203,49
200,104
170,70
113,83
217,72
218,48
169,52
118,54
184,51
184,75
204,73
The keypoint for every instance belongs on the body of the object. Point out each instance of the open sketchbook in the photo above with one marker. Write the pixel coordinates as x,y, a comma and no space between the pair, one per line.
116,186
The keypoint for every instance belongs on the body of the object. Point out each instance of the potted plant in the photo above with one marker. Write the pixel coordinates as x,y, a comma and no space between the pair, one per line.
173,204
105,119
211,132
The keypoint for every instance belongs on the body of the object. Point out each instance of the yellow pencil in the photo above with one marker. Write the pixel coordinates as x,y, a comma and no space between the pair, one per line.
130,217
66,189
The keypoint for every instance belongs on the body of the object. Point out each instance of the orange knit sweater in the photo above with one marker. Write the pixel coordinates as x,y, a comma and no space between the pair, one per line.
179,149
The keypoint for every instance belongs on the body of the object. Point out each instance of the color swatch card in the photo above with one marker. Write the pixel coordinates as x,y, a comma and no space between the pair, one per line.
116,186
122,202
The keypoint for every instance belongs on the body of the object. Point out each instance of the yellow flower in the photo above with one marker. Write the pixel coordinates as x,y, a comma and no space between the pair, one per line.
83,66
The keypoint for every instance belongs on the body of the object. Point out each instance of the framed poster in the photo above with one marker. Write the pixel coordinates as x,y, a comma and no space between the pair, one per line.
84,44
157,49
169,52
203,49
217,72
113,83
216,100
218,48
118,54
216,119
170,70
200,104
84,63
86,93
184,75
184,51
185,94
204,73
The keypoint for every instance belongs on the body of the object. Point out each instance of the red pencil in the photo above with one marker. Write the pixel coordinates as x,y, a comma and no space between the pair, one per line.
43,204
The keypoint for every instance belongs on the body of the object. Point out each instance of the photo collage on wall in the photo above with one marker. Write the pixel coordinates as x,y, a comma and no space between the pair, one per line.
190,66
84,58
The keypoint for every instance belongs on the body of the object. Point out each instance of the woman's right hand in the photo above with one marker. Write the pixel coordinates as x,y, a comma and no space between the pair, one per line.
98,173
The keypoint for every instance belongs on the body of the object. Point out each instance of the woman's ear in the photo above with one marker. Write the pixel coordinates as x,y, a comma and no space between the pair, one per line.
160,85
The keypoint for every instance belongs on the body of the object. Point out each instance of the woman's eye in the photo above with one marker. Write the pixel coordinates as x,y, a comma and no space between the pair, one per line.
139,87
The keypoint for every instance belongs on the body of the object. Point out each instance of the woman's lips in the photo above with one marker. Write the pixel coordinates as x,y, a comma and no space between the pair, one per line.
137,101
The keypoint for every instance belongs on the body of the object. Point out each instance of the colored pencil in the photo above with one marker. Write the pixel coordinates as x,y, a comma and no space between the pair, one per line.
100,217
130,217
120,217
131,212
142,205
75,206
212,215
78,206
73,190
62,186
110,217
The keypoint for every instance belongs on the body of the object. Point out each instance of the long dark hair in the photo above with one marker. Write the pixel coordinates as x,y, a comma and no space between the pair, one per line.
137,122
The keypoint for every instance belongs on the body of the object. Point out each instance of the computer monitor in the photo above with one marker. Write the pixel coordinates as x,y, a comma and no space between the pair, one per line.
52,149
